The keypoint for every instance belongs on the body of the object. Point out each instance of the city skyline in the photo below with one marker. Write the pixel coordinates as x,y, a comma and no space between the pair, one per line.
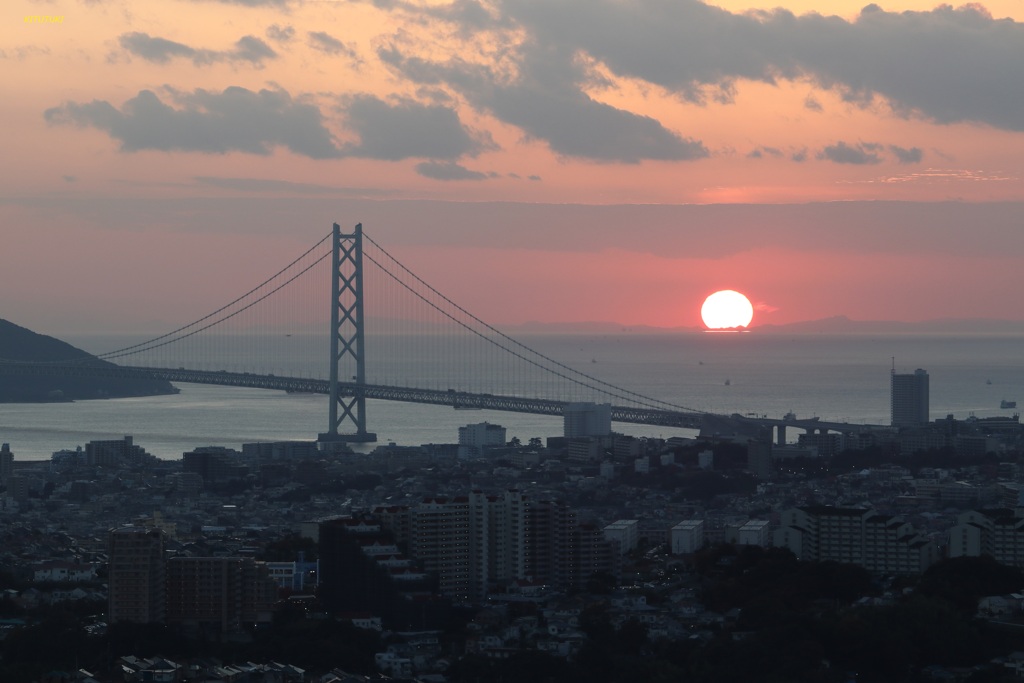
547,162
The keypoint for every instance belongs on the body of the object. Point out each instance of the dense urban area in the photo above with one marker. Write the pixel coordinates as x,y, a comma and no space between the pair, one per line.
890,554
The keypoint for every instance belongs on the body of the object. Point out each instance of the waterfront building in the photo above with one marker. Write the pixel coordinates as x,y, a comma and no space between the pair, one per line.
114,453
475,438
909,398
587,419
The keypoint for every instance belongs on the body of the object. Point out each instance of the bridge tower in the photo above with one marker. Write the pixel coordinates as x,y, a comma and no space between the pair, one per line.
347,339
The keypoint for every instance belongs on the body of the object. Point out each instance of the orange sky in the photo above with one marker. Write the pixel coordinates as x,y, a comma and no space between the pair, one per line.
158,137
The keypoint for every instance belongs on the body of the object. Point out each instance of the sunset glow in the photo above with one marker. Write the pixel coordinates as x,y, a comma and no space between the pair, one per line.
631,148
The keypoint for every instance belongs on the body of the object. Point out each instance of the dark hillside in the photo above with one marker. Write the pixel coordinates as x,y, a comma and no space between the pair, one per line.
20,344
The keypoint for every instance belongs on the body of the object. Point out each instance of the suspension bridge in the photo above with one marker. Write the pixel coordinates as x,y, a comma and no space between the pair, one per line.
391,336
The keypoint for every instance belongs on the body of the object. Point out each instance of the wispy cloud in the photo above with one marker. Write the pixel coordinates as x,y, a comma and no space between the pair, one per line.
448,170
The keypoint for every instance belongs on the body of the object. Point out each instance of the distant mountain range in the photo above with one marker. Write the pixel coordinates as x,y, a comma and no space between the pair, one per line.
21,344
839,324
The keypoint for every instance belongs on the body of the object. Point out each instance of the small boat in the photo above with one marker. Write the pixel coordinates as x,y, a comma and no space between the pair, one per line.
1007,404
727,382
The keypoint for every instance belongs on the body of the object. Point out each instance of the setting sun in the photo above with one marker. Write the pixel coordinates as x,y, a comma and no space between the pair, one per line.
726,309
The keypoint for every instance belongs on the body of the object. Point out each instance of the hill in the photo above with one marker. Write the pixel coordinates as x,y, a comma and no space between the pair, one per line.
21,344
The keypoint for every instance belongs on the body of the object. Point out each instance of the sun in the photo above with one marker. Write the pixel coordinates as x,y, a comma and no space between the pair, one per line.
725,310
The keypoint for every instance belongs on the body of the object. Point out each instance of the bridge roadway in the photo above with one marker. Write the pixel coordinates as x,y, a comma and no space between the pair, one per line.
707,422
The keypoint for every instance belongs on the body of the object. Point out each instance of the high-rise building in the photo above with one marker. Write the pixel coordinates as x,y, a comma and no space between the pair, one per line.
136,575
481,542
223,593
441,544
909,399
6,464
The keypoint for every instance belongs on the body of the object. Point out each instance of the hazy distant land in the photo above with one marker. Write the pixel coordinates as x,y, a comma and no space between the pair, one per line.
839,324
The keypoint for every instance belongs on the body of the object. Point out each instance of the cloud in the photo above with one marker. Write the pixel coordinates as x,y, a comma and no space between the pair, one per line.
23,52
235,120
251,3
251,49
761,152
548,103
241,120
907,156
280,34
161,50
447,171
842,153
405,128
946,65
324,42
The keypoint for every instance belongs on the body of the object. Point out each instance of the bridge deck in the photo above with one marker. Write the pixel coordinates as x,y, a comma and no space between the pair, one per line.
451,397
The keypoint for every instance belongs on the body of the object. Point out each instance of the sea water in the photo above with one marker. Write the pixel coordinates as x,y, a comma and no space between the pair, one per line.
841,378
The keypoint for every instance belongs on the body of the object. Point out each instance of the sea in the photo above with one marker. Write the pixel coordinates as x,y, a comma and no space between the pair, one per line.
837,377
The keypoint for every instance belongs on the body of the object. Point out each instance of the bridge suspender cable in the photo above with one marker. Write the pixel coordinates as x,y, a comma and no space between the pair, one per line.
149,345
617,392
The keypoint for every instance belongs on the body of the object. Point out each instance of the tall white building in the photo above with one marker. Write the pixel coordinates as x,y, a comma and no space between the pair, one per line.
136,575
587,419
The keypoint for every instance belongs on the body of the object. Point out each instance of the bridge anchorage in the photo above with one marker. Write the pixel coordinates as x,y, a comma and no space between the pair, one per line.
347,340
